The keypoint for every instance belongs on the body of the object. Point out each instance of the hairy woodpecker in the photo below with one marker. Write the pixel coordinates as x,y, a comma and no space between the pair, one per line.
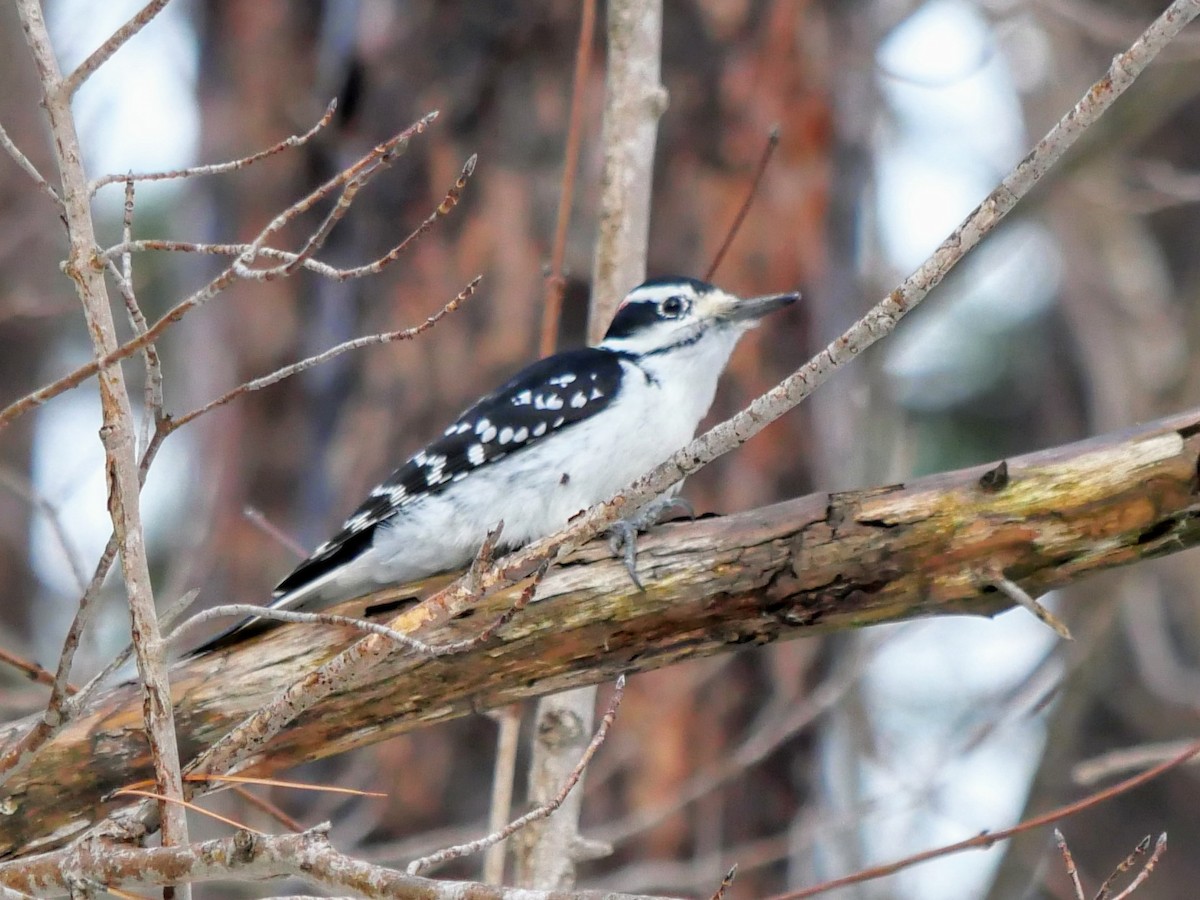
564,434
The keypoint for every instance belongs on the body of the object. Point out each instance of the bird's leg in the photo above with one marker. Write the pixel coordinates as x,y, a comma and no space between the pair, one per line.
622,536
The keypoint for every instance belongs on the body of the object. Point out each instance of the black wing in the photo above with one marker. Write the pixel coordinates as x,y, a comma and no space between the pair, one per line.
548,396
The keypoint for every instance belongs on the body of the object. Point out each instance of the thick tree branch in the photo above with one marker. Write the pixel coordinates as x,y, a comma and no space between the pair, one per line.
815,564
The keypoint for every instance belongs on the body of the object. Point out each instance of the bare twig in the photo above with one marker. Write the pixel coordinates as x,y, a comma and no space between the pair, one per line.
265,806
1069,862
116,41
555,283
372,162
185,804
28,167
117,432
541,812
989,838
288,143
726,883
35,672
755,180
258,519
20,485
1160,847
358,343
1021,597
152,390
1117,762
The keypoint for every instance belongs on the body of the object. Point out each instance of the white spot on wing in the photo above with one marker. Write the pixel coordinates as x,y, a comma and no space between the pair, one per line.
558,422
562,380
553,401
579,400
506,434
481,426
596,394
521,434
539,429
523,399
475,454
489,435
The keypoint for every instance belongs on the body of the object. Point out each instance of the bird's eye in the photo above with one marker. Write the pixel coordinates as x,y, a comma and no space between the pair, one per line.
673,306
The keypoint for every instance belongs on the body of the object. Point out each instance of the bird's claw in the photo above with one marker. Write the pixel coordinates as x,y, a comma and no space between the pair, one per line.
623,535
622,540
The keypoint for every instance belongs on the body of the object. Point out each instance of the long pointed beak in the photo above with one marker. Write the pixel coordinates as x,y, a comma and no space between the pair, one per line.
754,308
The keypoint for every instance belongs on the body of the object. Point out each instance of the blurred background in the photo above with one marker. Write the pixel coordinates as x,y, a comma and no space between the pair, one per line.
799,762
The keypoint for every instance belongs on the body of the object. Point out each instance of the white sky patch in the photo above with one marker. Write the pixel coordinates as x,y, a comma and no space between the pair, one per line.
137,112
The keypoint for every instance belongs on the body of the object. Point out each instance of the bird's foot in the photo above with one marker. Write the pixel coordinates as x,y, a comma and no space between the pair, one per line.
623,535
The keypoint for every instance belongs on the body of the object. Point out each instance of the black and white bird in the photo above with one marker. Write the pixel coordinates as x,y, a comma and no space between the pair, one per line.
564,434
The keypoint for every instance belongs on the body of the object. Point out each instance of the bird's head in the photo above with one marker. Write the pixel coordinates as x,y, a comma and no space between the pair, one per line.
667,313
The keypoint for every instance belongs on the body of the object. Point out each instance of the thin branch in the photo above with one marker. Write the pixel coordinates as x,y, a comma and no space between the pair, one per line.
104,52
288,143
755,180
258,519
28,167
541,812
308,855
555,283
989,838
369,340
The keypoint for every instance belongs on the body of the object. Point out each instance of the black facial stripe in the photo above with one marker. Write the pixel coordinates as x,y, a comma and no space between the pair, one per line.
632,318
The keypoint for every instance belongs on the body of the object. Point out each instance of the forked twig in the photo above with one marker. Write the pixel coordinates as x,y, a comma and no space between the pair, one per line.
1128,863
541,812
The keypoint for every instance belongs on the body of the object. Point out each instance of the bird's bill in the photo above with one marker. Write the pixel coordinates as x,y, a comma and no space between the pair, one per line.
753,308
